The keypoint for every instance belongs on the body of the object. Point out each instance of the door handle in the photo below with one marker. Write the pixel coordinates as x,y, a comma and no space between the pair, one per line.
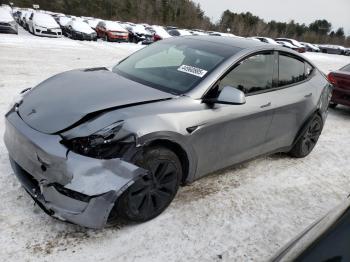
267,105
308,95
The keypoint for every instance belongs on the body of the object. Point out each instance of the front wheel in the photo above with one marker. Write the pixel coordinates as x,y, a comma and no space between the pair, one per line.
151,194
308,138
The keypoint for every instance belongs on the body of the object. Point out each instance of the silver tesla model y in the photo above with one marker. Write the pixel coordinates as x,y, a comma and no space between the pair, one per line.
92,146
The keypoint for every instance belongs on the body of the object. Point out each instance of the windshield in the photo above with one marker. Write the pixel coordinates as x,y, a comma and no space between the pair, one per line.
175,65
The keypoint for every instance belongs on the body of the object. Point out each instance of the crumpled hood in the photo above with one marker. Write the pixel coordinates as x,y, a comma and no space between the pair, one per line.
64,99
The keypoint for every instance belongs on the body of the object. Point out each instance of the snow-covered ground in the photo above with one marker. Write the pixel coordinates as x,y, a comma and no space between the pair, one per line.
245,213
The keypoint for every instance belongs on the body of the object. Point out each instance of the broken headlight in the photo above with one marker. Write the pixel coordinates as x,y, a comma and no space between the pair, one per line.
107,143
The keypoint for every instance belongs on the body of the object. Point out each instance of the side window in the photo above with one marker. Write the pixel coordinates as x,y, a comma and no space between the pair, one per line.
291,70
252,75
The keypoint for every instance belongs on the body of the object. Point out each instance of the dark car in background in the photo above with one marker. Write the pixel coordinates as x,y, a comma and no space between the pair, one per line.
80,30
327,240
311,47
332,49
341,82
160,119
300,47
138,33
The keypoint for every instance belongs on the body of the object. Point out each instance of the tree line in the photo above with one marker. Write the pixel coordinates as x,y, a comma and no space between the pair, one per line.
247,24
187,14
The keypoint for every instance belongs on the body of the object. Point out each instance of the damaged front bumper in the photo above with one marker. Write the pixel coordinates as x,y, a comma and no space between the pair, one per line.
66,185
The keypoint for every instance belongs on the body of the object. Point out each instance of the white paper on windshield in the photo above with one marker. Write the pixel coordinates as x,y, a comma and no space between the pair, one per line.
192,70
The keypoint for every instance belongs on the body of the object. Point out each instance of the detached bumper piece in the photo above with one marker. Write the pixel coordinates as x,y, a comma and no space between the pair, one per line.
66,185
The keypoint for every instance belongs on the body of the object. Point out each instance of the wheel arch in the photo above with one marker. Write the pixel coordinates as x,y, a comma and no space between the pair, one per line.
306,122
179,151
176,143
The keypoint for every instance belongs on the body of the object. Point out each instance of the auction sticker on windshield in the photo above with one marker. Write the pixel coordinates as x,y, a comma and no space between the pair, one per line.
192,70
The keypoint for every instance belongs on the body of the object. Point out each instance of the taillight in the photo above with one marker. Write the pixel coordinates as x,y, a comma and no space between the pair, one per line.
156,37
331,79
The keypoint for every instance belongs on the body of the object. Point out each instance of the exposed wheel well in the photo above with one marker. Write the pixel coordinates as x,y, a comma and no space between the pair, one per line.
179,151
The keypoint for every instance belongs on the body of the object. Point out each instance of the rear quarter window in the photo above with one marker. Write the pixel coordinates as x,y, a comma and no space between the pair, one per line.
291,70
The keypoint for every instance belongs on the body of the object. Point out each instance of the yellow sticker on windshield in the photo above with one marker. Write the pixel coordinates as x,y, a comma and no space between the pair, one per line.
192,70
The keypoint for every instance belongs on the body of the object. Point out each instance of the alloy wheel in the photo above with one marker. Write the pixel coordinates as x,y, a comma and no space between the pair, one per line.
154,191
311,136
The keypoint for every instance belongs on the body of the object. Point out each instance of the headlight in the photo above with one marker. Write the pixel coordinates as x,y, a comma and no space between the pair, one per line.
40,27
18,98
107,143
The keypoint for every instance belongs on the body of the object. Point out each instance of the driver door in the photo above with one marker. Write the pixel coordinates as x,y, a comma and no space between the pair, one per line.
235,133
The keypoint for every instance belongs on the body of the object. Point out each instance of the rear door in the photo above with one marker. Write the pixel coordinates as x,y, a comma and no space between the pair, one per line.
293,100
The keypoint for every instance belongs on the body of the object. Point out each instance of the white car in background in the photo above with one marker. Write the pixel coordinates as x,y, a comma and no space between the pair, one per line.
44,25
198,32
64,20
223,34
92,22
79,30
26,19
301,48
310,47
7,22
159,33
22,18
266,40
179,32
288,45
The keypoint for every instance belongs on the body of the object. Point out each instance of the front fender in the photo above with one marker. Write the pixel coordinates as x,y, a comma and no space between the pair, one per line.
174,138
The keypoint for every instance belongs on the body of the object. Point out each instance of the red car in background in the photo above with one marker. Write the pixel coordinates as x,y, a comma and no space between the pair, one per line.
112,31
341,82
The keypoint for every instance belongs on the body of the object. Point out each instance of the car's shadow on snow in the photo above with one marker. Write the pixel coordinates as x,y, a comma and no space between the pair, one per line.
340,111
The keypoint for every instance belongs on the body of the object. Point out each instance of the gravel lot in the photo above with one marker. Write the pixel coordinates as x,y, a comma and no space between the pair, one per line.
245,213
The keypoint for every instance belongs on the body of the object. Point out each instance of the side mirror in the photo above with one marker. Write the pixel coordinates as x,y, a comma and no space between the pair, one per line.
229,95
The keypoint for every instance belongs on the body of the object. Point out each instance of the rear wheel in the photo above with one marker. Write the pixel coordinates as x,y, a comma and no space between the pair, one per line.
308,139
151,194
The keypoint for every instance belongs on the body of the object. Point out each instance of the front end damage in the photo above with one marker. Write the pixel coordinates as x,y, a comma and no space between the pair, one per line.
69,186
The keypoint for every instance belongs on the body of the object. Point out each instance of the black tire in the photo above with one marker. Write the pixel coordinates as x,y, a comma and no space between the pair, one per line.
332,105
308,138
151,194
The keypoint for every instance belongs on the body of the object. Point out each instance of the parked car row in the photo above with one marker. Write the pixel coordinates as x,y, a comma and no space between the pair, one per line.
46,23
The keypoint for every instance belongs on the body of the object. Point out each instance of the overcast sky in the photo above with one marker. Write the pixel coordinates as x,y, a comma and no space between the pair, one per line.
302,11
